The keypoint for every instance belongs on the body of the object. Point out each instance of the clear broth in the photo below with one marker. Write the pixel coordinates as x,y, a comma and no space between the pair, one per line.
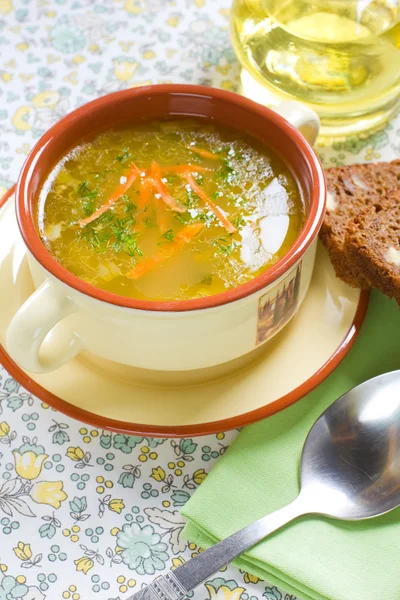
143,248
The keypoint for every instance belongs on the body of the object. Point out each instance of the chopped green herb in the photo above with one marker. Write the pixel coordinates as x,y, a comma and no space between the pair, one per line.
104,218
89,195
226,172
148,222
122,158
225,245
130,208
239,221
169,235
190,202
207,279
129,245
207,218
84,190
100,240
113,232
124,239
88,207
183,218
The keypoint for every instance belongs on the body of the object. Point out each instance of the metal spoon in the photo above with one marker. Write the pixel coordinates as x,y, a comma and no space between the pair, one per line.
350,470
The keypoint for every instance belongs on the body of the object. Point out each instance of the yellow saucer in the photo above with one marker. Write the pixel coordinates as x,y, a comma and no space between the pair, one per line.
138,401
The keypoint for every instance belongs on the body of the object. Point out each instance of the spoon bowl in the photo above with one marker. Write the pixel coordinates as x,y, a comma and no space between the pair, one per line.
350,466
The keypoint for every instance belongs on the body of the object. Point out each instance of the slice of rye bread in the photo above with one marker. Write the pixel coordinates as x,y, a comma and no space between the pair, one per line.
373,244
350,189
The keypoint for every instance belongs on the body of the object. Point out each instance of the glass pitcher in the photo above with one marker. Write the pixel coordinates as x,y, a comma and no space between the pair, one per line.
339,57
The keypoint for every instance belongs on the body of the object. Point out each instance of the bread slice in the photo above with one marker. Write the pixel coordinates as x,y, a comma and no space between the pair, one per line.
351,189
373,244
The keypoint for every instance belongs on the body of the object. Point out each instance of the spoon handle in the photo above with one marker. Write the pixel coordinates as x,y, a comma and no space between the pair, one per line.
178,583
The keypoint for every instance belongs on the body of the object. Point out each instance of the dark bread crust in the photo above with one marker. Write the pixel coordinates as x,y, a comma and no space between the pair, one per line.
352,188
370,237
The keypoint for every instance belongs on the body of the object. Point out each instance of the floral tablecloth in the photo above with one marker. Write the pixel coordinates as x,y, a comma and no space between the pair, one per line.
84,513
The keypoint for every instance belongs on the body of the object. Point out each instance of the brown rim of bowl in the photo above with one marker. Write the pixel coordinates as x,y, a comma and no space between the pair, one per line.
306,237
169,431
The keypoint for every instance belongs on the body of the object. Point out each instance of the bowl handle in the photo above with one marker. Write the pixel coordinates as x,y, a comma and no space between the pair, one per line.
34,320
303,118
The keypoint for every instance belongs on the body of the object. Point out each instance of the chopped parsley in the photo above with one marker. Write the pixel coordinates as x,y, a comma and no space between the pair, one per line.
148,222
172,178
226,172
183,218
169,235
104,218
109,231
122,158
130,208
99,240
190,202
239,221
88,195
124,239
207,279
225,245
84,191
207,218
88,207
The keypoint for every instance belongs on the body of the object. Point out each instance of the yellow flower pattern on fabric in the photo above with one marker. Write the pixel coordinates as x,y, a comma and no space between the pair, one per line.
116,505
84,564
23,118
124,69
199,476
48,492
177,562
248,578
23,551
158,474
6,6
29,465
133,6
4,429
224,592
75,454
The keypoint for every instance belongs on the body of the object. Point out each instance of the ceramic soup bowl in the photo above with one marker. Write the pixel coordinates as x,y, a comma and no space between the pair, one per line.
66,315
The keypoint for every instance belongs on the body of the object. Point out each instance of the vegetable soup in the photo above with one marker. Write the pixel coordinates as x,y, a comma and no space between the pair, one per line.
169,210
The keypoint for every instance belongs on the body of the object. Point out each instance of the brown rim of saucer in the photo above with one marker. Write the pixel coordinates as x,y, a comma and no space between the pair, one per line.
174,99
148,430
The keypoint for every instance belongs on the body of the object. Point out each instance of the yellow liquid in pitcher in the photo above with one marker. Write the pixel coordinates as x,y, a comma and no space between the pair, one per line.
340,57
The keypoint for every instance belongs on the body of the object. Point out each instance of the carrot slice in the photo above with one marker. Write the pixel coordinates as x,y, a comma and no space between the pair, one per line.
130,177
184,169
160,216
217,212
181,239
203,153
162,189
145,191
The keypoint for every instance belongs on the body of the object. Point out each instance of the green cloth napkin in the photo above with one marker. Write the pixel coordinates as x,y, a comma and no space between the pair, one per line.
312,558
